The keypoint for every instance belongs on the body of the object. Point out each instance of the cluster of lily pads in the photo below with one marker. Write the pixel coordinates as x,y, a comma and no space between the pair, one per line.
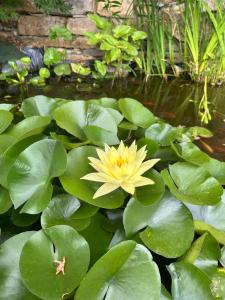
164,242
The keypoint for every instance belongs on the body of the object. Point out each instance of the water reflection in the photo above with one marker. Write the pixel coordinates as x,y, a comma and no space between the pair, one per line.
176,101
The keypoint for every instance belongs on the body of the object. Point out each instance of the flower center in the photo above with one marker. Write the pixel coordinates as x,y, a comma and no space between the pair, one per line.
121,161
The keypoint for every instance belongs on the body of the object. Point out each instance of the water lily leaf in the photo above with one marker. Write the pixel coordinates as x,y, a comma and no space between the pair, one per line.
166,223
77,167
60,211
191,153
6,118
222,260
188,281
29,126
163,133
99,136
39,106
151,146
149,194
128,271
9,156
5,200
192,184
204,254
210,218
136,113
97,237
38,262
29,179
5,142
105,102
11,285
6,106
23,220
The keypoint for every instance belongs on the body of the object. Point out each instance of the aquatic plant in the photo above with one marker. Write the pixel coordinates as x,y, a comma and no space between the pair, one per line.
57,240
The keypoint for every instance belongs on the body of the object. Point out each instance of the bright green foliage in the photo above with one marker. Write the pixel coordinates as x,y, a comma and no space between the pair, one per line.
120,44
60,32
117,245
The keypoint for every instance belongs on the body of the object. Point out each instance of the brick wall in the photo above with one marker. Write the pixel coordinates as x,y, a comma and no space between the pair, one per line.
32,28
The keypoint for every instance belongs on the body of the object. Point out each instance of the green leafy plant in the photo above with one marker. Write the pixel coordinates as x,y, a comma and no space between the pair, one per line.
60,32
52,6
120,45
96,247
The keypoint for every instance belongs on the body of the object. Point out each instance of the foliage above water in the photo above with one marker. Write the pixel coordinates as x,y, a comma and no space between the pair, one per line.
59,241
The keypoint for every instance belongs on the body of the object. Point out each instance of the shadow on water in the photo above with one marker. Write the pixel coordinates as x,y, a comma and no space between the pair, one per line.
175,101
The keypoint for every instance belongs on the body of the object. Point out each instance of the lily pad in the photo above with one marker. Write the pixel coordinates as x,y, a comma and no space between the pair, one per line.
29,179
136,113
5,200
11,285
125,272
189,282
6,118
38,264
168,224
192,184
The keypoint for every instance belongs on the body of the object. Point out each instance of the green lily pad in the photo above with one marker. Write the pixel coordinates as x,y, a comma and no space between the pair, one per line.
60,211
168,224
6,118
5,200
192,184
38,106
11,285
149,194
38,262
29,126
62,70
77,167
204,254
23,220
163,133
125,272
29,179
189,282
136,113
218,284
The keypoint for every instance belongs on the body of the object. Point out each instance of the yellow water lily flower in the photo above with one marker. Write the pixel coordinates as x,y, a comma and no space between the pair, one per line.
120,167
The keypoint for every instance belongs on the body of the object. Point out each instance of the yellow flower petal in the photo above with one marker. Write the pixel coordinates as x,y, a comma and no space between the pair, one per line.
128,187
99,177
143,181
147,165
105,189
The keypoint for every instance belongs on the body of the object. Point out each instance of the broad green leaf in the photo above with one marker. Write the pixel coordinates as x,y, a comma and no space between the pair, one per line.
57,32
125,272
105,102
5,142
38,106
218,284
9,156
30,126
52,56
139,35
11,285
5,200
44,73
23,220
189,282
62,70
29,179
100,22
99,136
97,237
151,146
204,254
60,211
121,30
77,167
101,67
163,133
150,194
191,153
115,54
6,118
6,106
136,113
222,260
168,225
38,262
192,184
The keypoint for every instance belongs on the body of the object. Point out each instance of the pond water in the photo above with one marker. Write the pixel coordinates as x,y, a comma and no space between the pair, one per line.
175,101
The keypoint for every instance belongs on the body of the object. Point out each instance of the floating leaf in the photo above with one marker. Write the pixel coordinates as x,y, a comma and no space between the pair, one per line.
125,272
5,200
6,118
169,223
188,281
29,179
192,184
38,262
11,285
136,113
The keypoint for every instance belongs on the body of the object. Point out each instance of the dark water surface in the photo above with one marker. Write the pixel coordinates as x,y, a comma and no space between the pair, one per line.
175,101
